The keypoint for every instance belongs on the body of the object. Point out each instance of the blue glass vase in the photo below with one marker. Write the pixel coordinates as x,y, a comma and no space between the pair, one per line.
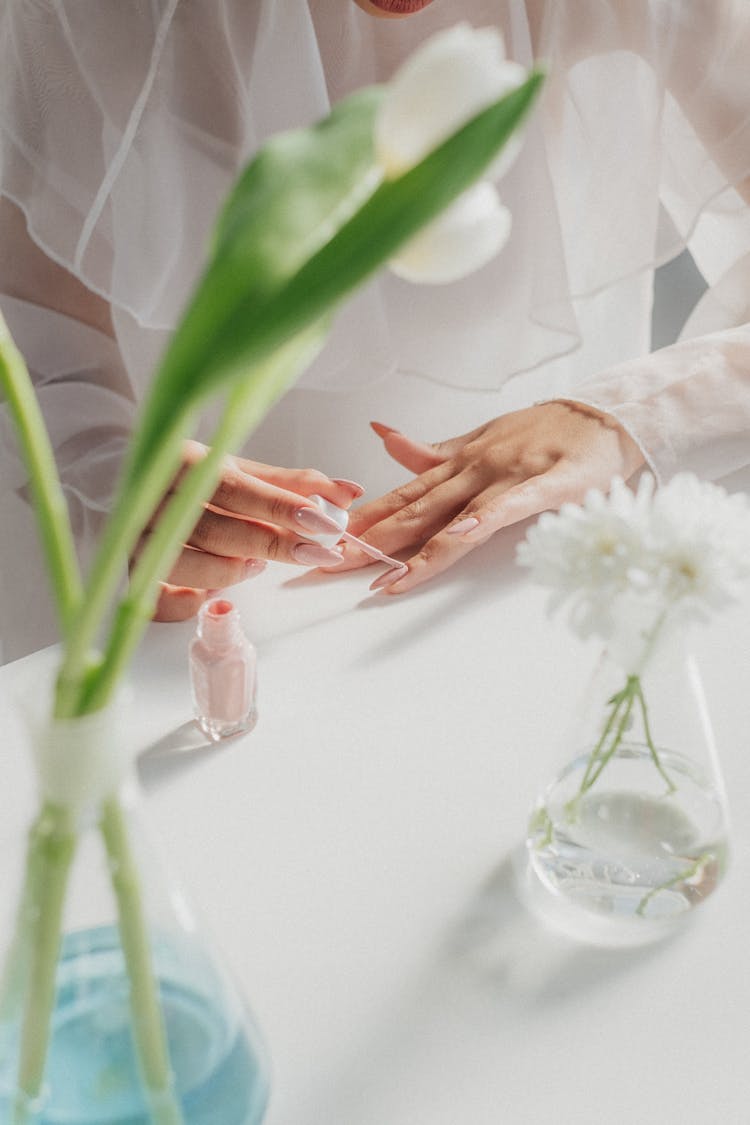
113,1009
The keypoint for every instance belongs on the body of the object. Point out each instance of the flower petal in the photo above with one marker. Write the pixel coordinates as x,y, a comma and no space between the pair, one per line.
465,237
450,79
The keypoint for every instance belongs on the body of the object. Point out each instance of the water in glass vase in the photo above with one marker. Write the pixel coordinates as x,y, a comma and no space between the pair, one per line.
621,862
92,1078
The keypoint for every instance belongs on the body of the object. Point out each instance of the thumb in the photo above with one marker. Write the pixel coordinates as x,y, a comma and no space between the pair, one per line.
417,456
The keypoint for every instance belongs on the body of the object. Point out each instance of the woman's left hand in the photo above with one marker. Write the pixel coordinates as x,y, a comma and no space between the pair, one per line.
513,467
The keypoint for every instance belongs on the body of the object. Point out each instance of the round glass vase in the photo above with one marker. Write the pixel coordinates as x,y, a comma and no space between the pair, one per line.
113,1010
631,835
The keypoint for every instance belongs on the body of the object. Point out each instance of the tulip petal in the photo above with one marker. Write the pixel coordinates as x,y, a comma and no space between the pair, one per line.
452,77
462,239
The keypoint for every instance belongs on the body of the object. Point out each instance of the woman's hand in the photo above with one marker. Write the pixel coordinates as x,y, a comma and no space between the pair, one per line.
468,488
258,512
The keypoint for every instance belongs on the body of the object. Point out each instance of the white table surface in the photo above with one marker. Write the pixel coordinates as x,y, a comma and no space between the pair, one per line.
353,856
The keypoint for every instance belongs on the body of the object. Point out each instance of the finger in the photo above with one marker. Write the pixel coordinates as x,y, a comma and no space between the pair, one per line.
418,521
418,456
235,538
212,572
490,511
369,515
390,523
239,494
178,603
501,506
302,482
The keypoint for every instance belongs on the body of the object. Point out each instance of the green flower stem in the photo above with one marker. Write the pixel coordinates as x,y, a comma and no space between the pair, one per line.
248,402
622,706
133,509
148,1028
135,611
16,967
624,703
649,739
50,507
616,701
680,877
52,844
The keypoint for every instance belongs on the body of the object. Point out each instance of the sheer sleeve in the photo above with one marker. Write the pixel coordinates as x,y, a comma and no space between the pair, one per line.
687,406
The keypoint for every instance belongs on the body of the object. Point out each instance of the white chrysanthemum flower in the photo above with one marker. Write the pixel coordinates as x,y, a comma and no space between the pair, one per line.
701,544
682,551
451,78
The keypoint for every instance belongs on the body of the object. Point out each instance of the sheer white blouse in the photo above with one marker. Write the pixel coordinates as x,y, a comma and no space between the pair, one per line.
123,125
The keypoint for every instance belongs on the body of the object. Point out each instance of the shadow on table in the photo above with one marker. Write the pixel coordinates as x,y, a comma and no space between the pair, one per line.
178,750
480,577
508,951
494,975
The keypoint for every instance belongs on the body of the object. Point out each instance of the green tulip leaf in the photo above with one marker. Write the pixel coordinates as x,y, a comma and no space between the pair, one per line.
307,222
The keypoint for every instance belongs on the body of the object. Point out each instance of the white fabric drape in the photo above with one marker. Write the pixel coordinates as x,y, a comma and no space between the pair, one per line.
122,126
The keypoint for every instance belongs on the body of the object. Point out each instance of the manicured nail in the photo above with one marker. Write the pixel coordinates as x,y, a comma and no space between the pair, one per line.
389,577
312,519
254,567
382,431
311,554
352,485
463,526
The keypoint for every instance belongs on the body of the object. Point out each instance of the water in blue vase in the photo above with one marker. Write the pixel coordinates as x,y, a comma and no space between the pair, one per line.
217,1058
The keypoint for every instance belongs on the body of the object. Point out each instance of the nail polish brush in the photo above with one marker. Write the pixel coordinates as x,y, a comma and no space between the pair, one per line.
340,516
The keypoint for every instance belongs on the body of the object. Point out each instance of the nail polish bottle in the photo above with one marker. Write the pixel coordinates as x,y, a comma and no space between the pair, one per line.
223,675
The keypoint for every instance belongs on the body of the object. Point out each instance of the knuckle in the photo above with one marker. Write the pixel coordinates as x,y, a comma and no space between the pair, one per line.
312,478
210,534
501,459
278,509
536,462
413,512
427,553
441,448
235,572
224,496
201,534
272,549
405,494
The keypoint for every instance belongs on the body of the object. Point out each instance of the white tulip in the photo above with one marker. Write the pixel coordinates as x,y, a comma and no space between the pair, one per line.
462,239
451,78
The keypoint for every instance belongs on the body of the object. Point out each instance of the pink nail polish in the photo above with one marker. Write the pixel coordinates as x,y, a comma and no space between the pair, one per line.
352,485
381,429
311,554
463,526
312,519
254,567
223,672
389,577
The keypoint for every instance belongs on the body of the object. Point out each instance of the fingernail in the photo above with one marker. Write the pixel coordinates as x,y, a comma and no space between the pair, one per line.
463,526
352,485
349,560
381,430
254,567
312,519
389,577
310,554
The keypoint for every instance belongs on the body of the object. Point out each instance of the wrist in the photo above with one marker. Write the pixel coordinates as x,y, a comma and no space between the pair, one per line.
633,456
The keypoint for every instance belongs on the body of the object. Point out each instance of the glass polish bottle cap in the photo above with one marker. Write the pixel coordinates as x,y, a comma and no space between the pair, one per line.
340,516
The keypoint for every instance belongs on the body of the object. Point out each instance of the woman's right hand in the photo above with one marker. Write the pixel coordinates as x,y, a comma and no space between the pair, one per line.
258,512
